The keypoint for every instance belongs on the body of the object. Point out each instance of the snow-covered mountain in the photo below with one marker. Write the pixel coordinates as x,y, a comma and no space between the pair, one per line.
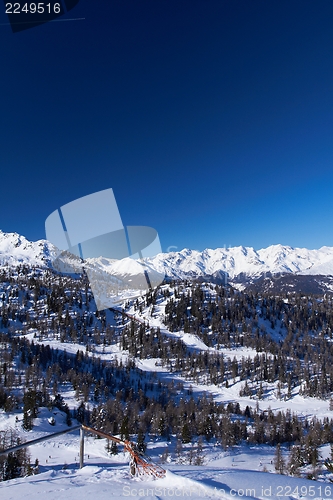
245,261
16,250
240,264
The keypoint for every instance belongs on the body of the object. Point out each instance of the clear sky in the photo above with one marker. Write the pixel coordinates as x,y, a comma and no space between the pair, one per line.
212,120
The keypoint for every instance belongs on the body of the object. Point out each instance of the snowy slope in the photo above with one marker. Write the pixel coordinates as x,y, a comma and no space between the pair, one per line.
104,482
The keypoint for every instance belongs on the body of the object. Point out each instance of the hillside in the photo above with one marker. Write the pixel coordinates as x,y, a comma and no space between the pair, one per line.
202,372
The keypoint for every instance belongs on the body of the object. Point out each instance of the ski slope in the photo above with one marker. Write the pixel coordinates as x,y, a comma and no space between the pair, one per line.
241,472
104,481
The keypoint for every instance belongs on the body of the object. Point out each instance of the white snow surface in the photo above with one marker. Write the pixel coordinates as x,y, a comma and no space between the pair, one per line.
113,481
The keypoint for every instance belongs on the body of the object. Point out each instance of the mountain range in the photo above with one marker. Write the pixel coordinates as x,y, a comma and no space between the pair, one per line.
268,268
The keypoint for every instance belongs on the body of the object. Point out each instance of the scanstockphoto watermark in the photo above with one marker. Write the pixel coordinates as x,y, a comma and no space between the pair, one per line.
187,492
323,491
88,234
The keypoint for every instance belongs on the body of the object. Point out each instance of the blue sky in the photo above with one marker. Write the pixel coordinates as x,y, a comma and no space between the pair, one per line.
212,120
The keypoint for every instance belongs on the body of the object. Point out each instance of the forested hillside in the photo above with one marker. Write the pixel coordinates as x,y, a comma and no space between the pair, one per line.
186,361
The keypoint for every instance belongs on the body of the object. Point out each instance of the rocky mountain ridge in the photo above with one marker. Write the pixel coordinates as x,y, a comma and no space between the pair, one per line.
241,266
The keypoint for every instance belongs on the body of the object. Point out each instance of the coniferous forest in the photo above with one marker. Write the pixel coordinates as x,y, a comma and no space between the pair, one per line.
282,345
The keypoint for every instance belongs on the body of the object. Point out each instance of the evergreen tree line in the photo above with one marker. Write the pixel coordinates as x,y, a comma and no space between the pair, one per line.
136,401
15,464
297,351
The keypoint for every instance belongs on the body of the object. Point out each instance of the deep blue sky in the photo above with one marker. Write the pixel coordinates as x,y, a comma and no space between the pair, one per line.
212,120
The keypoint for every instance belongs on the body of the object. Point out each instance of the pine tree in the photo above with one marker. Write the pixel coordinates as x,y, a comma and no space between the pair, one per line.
12,467
278,460
114,448
165,456
36,466
199,456
30,409
141,445
179,450
81,413
108,446
186,436
295,461
27,421
124,432
68,419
